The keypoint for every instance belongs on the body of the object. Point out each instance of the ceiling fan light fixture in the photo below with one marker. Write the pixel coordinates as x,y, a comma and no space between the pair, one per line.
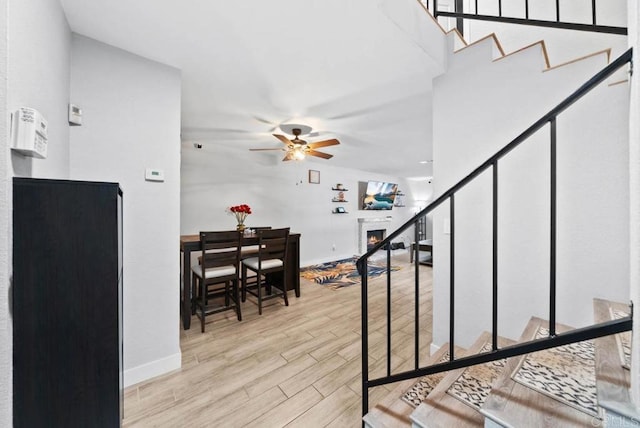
298,153
298,149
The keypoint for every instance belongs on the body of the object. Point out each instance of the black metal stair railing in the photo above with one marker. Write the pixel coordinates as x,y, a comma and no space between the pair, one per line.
478,13
554,339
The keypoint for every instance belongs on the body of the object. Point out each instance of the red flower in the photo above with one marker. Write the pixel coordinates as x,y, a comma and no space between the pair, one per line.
241,209
241,212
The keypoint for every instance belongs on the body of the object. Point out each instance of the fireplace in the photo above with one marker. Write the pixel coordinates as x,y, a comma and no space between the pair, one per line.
367,225
375,236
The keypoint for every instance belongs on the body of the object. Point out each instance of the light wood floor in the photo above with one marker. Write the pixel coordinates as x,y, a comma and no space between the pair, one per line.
293,366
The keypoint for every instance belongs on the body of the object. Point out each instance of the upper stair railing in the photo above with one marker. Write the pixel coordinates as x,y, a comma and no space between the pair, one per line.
493,11
554,339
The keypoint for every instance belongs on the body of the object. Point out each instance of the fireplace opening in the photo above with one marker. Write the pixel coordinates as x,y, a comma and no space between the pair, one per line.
374,236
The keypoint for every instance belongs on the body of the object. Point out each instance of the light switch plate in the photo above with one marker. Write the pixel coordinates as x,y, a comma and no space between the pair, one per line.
152,174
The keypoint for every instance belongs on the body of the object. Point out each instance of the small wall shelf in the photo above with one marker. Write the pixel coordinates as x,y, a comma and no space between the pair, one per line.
339,198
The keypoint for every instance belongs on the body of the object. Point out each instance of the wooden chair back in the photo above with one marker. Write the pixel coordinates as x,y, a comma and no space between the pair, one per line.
220,248
273,243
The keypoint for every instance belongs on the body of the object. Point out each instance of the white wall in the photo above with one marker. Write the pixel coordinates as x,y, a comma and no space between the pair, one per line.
131,121
6,338
217,177
501,99
39,54
34,72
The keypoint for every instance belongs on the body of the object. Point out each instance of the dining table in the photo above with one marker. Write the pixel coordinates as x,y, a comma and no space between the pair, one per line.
190,243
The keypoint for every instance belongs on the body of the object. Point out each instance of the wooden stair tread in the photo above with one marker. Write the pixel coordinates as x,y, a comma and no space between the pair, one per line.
612,379
512,404
392,411
441,409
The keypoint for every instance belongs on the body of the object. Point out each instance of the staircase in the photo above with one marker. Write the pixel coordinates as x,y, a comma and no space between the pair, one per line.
570,386
554,374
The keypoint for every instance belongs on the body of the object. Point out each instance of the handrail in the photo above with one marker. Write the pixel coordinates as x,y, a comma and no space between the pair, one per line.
459,14
554,339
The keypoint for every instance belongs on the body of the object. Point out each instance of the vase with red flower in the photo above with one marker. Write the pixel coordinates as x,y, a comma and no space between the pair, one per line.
240,212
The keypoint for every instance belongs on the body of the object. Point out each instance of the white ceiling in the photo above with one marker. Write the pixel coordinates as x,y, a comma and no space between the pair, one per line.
341,66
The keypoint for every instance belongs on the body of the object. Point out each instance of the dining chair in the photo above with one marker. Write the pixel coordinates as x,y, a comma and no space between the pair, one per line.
218,274
270,264
252,250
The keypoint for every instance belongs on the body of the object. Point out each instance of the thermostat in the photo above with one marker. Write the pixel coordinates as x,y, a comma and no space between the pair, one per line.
152,174
75,115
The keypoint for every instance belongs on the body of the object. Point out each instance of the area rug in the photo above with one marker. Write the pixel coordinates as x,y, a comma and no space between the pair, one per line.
474,385
342,273
565,373
419,390
623,340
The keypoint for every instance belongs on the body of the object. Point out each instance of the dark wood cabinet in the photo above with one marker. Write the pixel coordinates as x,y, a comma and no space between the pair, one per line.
67,303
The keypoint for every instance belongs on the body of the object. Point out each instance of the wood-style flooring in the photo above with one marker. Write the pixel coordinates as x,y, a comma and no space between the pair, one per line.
293,366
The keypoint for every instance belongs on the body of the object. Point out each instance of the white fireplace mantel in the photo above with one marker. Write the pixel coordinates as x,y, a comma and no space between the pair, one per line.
366,224
375,220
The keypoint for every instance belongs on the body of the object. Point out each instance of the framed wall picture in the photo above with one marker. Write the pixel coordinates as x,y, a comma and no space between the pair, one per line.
314,176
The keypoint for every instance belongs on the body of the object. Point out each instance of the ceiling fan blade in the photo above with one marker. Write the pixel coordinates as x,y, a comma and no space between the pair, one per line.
318,154
258,150
263,120
288,157
283,139
325,143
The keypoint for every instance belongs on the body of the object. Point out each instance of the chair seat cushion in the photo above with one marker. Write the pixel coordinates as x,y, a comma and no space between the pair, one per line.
252,262
214,272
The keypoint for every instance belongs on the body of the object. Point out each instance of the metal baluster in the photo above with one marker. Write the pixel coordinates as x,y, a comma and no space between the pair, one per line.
451,275
557,10
416,239
499,7
526,9
552,252
593,12
459,8
365,339
495,256
388,247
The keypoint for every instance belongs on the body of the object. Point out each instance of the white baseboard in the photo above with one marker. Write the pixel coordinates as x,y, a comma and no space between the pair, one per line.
152,369
433,348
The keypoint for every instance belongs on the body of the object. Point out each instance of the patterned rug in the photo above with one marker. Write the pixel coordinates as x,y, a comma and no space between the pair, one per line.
419,391
474,385
342,273
565,373
623,339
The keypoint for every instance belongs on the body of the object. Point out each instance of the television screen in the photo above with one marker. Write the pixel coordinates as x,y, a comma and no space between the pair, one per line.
379,195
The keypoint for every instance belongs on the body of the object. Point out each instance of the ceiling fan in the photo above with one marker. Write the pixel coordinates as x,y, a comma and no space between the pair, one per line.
298,149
